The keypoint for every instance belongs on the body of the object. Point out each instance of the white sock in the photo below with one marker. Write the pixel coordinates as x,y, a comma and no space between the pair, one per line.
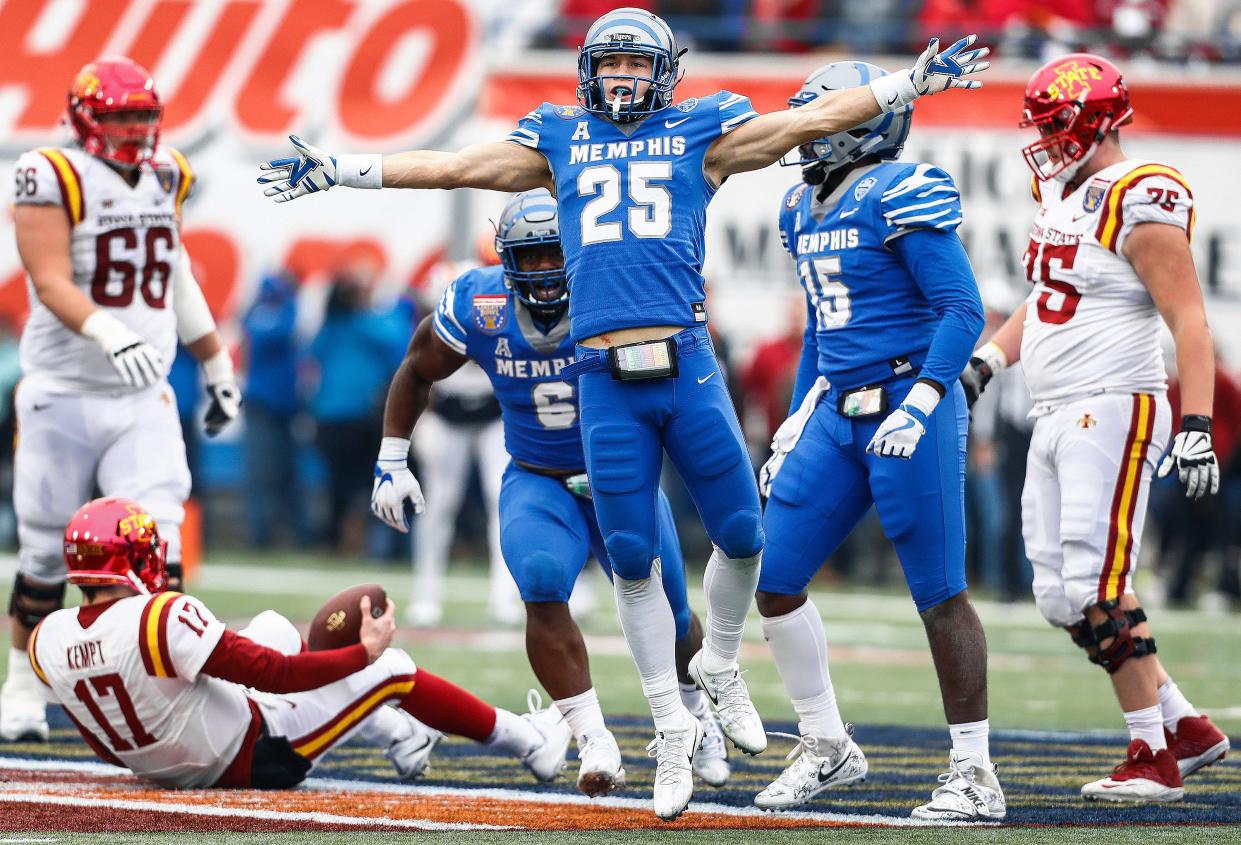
650,630
385,726
1173,705
972,737
729,585
513,734
799,645
1147,725
583,713
695,701
21,675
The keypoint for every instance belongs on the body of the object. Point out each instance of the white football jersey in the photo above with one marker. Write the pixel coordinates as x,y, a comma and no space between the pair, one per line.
132,680
1091,325
125,243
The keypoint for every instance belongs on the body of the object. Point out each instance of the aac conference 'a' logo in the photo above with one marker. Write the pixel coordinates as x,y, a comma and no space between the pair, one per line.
1073,80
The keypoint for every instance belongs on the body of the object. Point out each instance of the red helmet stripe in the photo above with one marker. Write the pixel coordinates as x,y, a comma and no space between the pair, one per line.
187,177
1112,220
153,636
70,184
32,651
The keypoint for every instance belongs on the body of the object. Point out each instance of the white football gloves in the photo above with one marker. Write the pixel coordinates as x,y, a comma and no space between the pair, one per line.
312,170
898,435
138,362
224,392
395,485
933,72
1193,455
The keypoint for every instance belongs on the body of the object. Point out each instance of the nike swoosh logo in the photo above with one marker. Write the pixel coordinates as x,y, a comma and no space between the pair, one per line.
892,100
845,214
674,123
1081,217
824,778
704,379
40,407
366,171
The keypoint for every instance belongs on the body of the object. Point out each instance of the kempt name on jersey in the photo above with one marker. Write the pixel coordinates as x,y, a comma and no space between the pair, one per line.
664,146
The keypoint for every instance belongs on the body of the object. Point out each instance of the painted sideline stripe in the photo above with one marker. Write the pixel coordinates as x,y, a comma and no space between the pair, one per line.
236,812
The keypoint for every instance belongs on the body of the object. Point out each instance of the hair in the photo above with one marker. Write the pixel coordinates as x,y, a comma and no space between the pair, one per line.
89,592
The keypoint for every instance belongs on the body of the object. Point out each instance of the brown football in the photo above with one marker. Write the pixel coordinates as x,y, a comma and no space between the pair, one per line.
338,622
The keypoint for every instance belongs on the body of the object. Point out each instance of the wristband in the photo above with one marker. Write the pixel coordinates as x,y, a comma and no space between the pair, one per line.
922,398
394,450
104,329
894,91
992,355
219,368
1196,422
360,171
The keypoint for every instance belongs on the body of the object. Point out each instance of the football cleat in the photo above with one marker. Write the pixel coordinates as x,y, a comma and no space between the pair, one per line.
1196,744
410,755
673,750
970,792
547,760
728,692
23,713
423,614
601,771
711,760
1145,776
818,764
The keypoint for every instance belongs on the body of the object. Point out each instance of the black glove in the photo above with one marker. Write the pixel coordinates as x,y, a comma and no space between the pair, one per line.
225,406
1193,456
974,379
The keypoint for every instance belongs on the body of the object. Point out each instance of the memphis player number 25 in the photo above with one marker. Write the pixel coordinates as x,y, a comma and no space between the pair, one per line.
830,297
650,215
1057,301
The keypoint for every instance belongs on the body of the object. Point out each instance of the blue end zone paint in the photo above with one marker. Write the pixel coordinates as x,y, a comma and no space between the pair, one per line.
1041,773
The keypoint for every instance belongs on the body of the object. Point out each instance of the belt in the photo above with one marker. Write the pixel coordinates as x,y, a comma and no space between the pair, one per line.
549,472
590,359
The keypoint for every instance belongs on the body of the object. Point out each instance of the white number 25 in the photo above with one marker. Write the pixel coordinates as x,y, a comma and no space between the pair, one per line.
650,216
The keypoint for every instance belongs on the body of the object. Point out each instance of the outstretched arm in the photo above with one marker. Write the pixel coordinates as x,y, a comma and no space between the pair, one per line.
763,140
496,166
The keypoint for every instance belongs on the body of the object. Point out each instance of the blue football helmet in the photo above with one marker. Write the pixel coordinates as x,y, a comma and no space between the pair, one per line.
529,220
883,136
633,32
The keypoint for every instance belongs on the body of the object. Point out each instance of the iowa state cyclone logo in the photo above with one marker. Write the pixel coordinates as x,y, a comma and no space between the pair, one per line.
490,312
1073,80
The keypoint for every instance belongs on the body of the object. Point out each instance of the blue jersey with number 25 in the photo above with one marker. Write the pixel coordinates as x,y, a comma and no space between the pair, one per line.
633,207
478,317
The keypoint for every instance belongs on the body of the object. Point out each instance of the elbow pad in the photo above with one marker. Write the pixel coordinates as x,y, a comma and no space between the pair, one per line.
194,320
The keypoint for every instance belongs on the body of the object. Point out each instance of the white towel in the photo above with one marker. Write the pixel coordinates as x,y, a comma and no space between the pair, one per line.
789,433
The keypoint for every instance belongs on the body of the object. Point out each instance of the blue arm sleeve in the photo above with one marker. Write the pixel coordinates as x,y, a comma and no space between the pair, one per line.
938,263
808,367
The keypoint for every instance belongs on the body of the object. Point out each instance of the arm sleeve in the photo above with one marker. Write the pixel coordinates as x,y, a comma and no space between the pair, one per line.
243,661
451,317
808,366
938,264
922,197
735,109
194,320
529,129
37,181
1152,193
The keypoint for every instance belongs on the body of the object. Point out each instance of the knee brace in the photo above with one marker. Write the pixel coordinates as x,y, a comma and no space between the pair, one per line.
741,535
1117,632
631,555
175,572
25,592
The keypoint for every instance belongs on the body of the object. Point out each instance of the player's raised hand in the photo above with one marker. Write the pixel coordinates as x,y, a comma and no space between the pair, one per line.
308,171
395,485
375,632
935,71
1193,455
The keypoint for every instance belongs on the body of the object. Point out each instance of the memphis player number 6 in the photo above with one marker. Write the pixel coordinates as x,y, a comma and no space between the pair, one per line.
553,402
649,217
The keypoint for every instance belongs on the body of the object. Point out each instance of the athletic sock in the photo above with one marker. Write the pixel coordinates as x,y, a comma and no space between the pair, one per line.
513,734
695,701
1173,705
447,707
1147,725
583,713
972,737
21,675
799,646
650,630
385,726
729,585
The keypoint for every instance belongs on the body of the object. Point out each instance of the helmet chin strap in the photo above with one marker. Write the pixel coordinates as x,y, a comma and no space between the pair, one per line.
137,583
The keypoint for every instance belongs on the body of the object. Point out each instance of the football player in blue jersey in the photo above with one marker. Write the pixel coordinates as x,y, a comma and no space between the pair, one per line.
877,417
632,173
510,319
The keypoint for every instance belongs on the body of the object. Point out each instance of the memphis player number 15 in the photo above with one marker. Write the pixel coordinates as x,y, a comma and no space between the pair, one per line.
650,215
830,298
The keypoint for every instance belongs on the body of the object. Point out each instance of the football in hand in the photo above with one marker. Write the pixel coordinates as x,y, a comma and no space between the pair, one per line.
339,622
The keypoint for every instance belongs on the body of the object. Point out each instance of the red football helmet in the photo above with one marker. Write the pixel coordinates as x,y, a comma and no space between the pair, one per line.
1073,101
112,542
115,112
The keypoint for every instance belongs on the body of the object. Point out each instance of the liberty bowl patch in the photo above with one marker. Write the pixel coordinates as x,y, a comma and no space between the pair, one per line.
795,196
491,312
568,112
687,105
1094,195
862,188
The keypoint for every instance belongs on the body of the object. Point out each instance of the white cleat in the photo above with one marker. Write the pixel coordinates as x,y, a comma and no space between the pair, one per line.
547,760
711,762
423,614
818,764
673,750
410,755
728,692
23,713
970,793
601,771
